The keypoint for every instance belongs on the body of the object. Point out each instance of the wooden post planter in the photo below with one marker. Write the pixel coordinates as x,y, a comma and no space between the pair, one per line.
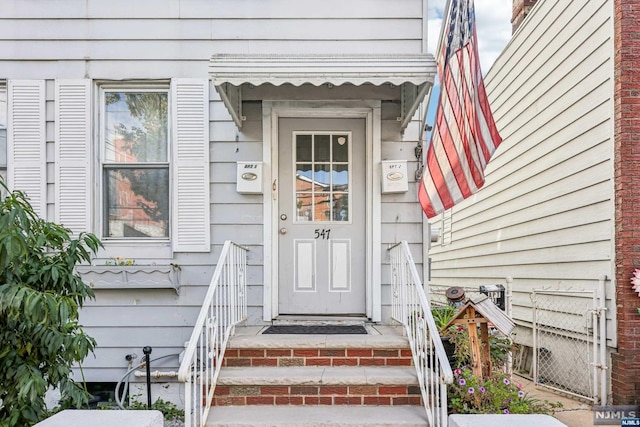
475,313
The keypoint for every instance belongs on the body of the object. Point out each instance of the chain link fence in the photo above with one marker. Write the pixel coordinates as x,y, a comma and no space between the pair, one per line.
563,341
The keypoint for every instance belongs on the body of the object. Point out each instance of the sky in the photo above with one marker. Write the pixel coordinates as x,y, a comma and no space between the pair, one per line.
493,28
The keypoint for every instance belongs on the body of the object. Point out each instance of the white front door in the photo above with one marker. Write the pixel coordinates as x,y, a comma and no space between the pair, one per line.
321,216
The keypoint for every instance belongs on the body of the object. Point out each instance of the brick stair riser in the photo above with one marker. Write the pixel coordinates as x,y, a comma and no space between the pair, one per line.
316,357
379,395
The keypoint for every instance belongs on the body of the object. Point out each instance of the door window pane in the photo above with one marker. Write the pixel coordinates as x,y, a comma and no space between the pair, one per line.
322,183
340,148
322,207
321,148
303,148
340,178
321,177
340,207
304,206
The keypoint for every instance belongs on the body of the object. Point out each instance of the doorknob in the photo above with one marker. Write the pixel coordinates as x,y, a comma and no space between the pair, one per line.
283,231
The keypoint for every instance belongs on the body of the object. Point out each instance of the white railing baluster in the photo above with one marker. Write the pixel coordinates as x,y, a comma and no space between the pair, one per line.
224,306
411,308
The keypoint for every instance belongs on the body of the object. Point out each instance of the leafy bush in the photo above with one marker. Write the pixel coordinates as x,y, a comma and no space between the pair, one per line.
494,395
39,300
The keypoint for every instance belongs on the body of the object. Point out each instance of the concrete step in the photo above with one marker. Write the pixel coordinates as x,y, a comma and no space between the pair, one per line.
386,386
317,416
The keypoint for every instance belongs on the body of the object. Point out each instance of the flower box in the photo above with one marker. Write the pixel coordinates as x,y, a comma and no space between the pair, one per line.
130,276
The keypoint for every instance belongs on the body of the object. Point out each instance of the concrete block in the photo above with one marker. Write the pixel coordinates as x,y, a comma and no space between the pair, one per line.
503,420
104,418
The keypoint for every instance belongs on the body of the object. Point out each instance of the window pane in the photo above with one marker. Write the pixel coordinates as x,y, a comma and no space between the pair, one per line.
303,148
340,178
322,207
303,177
304,206
321,177
340,207
340,148
136,127
322,148
137,202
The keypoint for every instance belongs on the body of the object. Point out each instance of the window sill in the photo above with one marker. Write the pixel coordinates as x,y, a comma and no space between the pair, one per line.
131,276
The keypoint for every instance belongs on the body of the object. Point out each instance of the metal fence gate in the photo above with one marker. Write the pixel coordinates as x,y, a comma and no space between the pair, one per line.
565,341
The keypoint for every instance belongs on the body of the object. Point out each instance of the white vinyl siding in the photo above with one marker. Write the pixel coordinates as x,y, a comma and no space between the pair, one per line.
73,167
169,38
150,40
190,98
26,154
545,215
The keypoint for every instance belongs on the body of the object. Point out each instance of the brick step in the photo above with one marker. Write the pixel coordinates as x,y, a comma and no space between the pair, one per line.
285,357
316,416
383,386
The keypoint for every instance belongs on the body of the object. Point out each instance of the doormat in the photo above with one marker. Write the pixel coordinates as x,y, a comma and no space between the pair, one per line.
317,329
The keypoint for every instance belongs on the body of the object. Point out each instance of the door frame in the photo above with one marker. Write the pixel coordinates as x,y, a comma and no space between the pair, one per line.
370,111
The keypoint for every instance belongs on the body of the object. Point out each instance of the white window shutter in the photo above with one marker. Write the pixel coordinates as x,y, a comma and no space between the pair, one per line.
73,148
190,129
26,150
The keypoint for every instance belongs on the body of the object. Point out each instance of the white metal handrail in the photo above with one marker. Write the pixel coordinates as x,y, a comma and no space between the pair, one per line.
224,306
411,308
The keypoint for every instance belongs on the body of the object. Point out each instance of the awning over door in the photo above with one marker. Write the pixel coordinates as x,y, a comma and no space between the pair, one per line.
406,77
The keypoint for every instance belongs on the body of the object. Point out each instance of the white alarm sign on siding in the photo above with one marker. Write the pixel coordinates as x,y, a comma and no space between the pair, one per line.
249,178
394,176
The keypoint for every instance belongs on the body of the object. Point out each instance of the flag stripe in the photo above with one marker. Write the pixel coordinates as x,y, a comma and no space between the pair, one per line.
465,135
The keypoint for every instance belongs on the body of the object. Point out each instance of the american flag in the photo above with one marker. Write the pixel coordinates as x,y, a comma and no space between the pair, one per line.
464,135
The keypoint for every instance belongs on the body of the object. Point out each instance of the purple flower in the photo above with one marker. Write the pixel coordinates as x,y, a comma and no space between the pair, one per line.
461,381
471,390
506,381
506,411
521,393
482,389
457,372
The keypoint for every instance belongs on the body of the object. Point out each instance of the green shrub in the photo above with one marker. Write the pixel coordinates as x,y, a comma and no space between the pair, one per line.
39,300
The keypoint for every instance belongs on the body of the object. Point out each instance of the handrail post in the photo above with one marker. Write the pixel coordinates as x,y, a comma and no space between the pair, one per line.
222,309
412,309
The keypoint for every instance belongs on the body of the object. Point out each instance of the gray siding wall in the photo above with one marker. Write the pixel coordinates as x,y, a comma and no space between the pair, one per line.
545,215
163,39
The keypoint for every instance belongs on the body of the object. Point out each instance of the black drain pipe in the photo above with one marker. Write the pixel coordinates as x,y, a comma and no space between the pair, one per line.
147,352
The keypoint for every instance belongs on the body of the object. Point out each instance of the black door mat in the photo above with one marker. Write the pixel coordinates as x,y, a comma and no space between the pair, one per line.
316,329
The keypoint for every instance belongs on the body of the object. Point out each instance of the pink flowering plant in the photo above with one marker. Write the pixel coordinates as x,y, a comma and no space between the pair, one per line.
635,281
494,395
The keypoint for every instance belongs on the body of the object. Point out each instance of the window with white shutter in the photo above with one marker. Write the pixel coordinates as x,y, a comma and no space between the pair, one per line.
26,151
154,164
190,101
73,149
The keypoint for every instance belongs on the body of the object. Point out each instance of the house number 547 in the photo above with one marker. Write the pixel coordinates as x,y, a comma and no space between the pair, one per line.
322,234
